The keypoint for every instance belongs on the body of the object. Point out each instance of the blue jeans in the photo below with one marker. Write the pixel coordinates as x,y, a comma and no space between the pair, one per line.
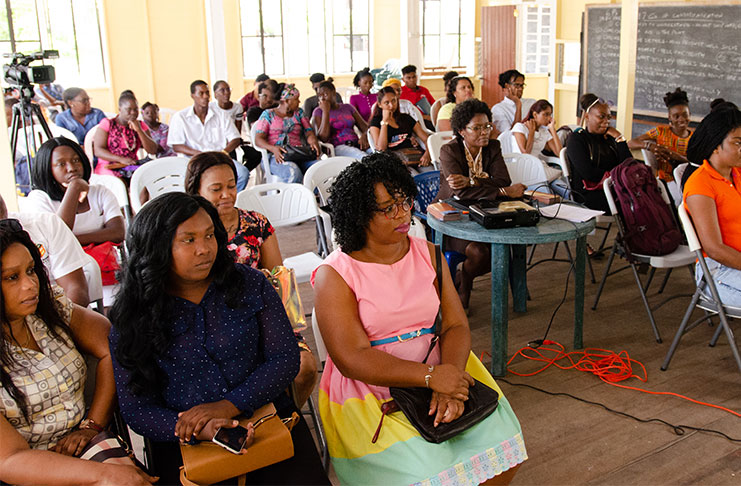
727,279
22,180
243,175
349,151
290,172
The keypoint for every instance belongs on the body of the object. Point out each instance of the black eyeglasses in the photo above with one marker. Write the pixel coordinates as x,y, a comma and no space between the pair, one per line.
393,210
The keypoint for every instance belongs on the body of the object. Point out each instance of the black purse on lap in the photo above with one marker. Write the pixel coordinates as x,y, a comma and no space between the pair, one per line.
415,401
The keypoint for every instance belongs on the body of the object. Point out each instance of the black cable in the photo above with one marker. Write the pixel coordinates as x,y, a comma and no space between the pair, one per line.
677,429
538,342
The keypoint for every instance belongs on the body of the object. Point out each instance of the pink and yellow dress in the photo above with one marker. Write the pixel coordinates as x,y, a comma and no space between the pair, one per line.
396,299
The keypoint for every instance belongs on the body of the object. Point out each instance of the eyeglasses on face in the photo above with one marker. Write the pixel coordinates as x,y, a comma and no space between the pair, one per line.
518,85
480,128
84,101
393,210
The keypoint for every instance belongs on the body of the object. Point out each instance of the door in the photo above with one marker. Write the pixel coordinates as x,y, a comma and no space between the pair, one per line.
498,49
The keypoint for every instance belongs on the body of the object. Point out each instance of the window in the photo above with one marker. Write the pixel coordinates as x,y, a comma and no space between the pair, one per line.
26,26
537,32
447,27
300,37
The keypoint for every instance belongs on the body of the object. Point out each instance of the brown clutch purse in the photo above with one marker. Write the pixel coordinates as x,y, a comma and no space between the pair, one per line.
207,463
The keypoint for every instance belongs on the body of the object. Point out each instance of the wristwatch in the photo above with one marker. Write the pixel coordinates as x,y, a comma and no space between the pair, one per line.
384,123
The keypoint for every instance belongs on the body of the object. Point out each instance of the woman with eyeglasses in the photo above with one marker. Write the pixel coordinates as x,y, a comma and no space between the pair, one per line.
44,424
472,167
593,152
79,117
399,133
198,340
376,299
512,108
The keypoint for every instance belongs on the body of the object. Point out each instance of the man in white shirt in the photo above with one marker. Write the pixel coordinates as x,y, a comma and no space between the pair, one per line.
199,129
512,109
60,251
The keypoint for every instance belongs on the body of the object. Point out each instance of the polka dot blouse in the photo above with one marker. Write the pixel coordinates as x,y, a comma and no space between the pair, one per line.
246,355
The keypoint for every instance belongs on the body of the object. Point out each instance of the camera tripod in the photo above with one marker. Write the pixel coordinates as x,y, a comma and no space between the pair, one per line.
23,119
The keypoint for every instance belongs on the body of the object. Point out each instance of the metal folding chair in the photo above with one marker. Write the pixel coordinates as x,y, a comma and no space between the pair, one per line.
710,304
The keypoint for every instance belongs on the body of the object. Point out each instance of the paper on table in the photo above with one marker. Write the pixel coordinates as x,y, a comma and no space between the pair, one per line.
569,212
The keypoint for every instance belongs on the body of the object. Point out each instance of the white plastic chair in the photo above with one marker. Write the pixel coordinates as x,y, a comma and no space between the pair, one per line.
159,176
88,145
710,304
679,173
94,283
321,175
526,169
680,257
435,142
508,143
286,205
118,188
166,115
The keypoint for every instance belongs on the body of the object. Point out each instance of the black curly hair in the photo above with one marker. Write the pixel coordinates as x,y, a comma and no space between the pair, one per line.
452,85
464,112
353,198
360,75
676,97
142,312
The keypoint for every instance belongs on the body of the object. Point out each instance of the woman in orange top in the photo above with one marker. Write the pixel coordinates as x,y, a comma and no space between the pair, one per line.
669,143
712,195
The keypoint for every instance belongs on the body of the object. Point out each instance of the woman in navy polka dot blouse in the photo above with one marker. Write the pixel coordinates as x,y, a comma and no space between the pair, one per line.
199,340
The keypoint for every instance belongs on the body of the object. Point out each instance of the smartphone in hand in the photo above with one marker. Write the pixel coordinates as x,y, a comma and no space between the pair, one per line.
231,439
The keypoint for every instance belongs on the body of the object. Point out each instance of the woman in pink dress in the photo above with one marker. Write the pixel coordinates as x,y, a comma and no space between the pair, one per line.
376,300
118,139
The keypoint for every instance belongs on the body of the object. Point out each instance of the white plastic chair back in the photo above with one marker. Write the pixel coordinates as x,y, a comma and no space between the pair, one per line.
421,120
435,142
679,173
417,228
166,115
118,188
607,187
564,163
58,131
372,141
693,242
94,282
321,349
525,169
88,145
650,160
265,163
283,204
322,175
159,176
508,142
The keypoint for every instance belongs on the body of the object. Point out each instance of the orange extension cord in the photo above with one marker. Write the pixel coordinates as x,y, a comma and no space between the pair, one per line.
608,366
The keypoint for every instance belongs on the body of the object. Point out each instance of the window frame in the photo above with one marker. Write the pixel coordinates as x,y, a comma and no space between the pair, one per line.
41,40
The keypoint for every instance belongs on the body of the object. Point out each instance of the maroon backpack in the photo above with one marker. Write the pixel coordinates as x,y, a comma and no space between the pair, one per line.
649,225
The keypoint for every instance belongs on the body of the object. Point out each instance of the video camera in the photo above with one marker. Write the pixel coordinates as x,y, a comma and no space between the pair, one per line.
19,74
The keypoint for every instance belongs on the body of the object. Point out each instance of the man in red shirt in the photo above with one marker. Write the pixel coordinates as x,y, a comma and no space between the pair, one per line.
418,95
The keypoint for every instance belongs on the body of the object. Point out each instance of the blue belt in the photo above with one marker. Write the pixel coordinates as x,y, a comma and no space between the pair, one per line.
403,337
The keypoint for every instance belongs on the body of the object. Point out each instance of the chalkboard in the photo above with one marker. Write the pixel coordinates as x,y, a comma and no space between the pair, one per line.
697,48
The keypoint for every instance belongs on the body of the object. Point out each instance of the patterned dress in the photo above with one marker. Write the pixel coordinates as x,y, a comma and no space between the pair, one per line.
122,141
396,299
52,380
664,136
252,231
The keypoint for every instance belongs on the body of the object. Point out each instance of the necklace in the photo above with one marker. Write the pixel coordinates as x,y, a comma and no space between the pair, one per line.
233,227
26,341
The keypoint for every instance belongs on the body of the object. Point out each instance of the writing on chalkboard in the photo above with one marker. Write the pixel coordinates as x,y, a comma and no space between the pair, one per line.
695,47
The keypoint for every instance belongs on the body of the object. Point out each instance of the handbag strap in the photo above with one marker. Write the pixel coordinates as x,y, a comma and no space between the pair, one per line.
439,316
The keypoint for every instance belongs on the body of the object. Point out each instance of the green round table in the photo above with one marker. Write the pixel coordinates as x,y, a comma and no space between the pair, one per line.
546,231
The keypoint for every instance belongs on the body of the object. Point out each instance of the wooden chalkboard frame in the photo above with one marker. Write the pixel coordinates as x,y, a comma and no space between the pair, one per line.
584,77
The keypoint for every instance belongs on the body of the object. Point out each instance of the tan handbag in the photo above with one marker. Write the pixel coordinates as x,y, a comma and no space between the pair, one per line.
208,463
283,280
